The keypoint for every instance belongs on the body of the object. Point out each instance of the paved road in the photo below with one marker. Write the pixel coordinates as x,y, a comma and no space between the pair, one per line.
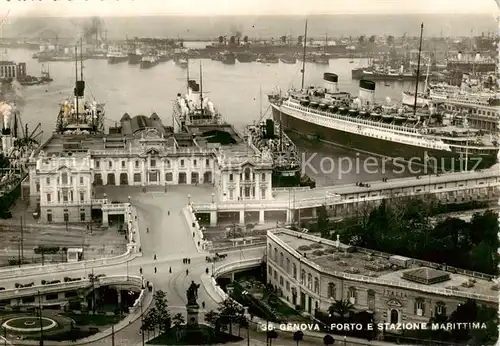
170,239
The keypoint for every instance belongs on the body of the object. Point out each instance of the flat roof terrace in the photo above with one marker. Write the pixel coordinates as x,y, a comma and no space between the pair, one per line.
359,261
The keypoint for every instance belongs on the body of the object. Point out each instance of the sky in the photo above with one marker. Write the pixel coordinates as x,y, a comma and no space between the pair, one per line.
105,8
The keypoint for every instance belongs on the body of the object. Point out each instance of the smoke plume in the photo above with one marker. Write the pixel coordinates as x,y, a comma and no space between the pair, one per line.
6,111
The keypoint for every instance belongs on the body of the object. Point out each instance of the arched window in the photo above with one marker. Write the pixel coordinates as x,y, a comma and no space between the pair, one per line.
288,265
303,277
167,163
269,250
276,255
316,285
281,259
332,294
309,281
294,269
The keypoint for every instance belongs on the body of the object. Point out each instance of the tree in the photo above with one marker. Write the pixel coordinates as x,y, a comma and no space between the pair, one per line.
230,312
341,308
390,40
178,320
162,315
299,40
361,39
298,336
328,340
372,39
148,323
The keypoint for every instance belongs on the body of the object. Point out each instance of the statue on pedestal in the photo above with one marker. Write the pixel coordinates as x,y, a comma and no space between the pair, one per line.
192,306
192,293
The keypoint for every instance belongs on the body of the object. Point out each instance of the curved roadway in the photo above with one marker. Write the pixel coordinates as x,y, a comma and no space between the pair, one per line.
170,239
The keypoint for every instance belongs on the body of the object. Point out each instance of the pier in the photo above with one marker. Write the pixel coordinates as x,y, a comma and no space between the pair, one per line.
342,200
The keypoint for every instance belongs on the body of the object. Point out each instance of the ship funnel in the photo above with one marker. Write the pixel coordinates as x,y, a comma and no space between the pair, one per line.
6,143
478,56
366,92
331,82
459,56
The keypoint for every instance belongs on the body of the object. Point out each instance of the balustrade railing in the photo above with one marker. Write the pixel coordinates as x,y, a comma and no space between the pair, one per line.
65,286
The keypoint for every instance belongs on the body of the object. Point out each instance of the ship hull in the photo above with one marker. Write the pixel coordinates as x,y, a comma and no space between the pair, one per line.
134,59
117,59
378,147
148,64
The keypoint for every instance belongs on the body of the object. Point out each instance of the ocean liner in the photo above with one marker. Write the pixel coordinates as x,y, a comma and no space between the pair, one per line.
428,137
440,141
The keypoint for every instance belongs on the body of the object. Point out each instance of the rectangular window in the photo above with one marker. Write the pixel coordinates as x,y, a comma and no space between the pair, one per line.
169,177
153,163
82,196
123,164
48,198
65,196
263,177
263,193
81,180
82,216
231,194
137,177
137,164
110,164
231,177
49,217
66,216
182,163
207,162
195,163
47,181
97,164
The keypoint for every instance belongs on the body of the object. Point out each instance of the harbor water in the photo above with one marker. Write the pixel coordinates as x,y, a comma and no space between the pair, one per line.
239,92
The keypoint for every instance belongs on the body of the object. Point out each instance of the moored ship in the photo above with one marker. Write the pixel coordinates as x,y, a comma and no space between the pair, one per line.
246,57
135,57
429,138
228,58
116,55
149,61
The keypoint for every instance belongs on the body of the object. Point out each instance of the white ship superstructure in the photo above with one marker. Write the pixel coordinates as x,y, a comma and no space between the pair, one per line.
385,130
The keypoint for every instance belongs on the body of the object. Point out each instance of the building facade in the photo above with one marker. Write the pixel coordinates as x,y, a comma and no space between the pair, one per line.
63,175
11,70
302,281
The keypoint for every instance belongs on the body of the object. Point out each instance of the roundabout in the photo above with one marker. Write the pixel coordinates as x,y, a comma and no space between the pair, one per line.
29,324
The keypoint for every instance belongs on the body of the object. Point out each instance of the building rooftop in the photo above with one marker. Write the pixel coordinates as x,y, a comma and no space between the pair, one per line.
397,269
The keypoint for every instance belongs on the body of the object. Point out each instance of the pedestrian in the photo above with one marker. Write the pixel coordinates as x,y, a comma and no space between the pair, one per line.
140,270
155,270
155,257
189,260
183,261
187,272
168,212
203,304
206,270
147,230
170,270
